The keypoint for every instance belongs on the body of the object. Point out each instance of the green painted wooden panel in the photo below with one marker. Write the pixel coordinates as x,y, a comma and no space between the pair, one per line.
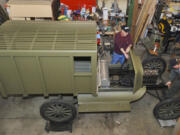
130,12
47,35
28,70
9,76
45,73
83,84
2,90
57,74
138,80
40,57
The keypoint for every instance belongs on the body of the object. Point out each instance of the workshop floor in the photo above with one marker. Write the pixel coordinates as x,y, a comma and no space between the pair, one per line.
21,117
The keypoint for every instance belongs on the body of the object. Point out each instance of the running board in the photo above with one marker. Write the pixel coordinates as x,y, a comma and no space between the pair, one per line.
105,102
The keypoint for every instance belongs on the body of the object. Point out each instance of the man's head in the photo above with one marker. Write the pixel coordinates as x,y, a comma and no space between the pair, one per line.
124,30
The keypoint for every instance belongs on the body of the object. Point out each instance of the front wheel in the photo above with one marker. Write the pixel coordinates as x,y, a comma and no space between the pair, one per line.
154,63
58,111
167,109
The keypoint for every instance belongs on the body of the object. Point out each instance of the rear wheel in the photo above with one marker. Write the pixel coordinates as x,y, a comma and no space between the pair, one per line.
167,109
58,111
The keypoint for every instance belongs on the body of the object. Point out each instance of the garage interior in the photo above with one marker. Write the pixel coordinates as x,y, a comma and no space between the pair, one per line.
58,53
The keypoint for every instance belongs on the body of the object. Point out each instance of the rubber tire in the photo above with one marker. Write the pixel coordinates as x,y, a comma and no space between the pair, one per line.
46,104
151,58
156,109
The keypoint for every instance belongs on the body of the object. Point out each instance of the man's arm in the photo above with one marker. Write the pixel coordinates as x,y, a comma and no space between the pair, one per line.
171,77
128,48
127,51
124,52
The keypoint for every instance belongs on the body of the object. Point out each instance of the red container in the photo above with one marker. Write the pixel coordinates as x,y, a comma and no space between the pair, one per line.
78,4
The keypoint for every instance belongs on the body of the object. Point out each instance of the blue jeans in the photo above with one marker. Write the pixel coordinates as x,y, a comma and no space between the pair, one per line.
117,58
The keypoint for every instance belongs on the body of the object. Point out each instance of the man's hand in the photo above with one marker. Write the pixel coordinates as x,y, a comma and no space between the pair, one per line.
124,52
126,55
176,66
169,84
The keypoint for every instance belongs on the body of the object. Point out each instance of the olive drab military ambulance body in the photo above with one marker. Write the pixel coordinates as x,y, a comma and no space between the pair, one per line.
45,58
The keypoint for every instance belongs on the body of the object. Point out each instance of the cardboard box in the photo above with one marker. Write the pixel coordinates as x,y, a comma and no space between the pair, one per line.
30,8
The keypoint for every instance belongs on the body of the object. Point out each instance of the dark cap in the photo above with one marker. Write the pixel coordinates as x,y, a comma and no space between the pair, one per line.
125,28
172,63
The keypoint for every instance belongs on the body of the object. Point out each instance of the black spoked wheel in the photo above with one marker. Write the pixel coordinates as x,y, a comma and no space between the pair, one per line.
167,109
155,63
58,111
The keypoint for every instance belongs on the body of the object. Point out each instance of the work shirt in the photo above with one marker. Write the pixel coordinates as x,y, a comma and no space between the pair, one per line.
175,88
121,42
175,73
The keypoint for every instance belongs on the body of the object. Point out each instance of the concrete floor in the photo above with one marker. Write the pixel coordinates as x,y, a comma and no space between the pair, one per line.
21,117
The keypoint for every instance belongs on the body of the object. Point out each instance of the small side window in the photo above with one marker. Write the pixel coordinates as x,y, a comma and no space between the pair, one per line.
82,64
